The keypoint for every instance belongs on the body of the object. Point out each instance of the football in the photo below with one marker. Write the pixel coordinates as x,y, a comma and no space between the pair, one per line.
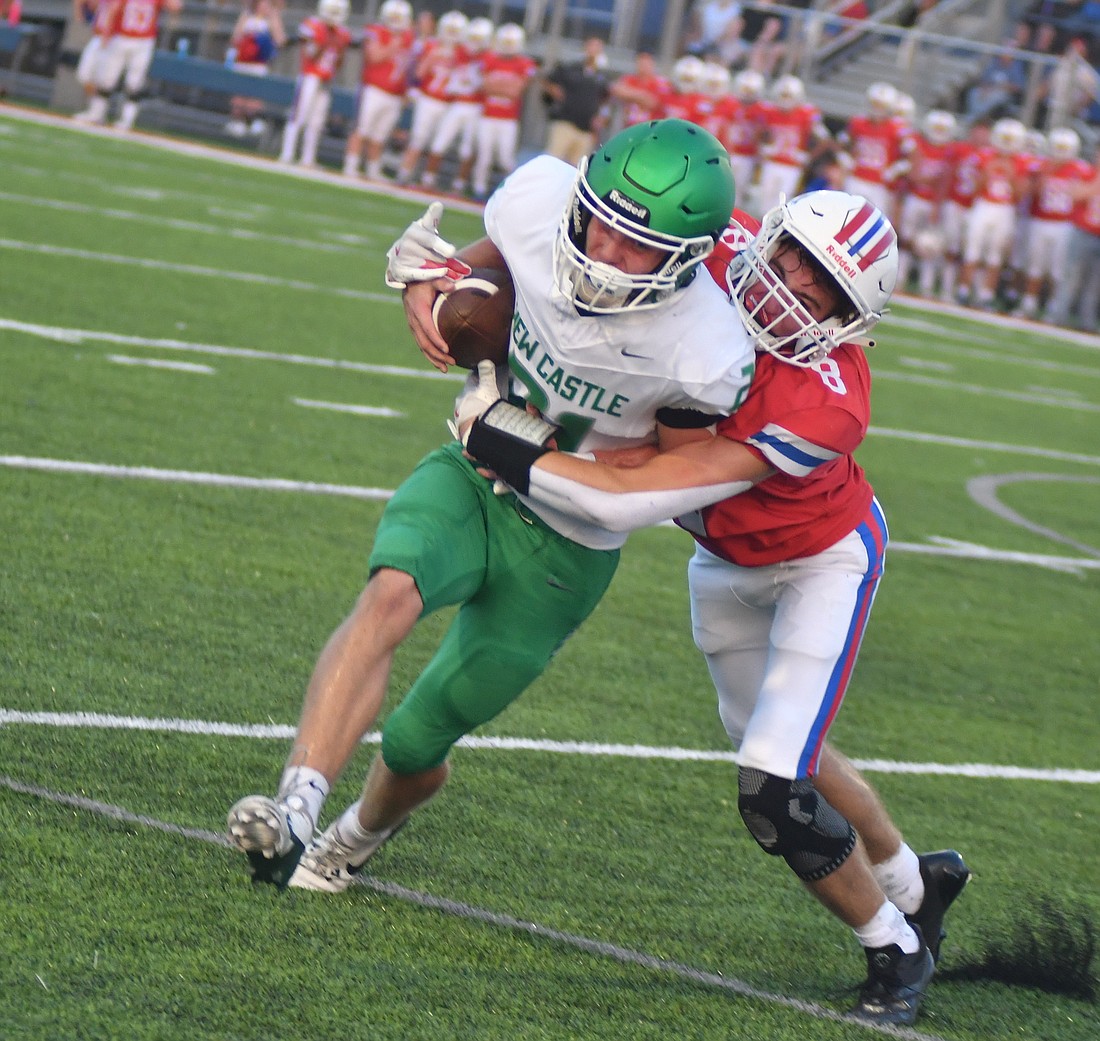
475,318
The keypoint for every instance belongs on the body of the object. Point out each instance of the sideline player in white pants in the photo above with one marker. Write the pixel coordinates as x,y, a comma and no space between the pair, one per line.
126,58
324,43
785,571
508,71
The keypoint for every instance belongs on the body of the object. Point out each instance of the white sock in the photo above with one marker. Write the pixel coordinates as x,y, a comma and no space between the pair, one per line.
304,790
899,877
888,926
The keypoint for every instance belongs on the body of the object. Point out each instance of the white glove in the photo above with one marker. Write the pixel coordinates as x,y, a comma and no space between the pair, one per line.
420,255
474,402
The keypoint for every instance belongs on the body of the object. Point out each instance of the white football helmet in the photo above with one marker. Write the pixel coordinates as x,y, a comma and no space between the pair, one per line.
788,92
716,79
1064,143
452,27
1008,136
479,33
334,12
940,126
881,98
396,14
510,39
851,241
905,107
749,84
687,74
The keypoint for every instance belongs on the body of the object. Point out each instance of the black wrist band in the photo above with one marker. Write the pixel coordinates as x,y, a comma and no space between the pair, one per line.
508,441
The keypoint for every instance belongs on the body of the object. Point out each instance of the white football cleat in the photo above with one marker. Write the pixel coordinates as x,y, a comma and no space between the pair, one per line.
271,835
330,865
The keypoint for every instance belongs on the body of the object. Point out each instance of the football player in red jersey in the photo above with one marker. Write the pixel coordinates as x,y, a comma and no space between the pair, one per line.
1004,178
965,156
126,57
877,144
785,572
641,93
507,72
387,55
324,42
1051,223
793,135
920,211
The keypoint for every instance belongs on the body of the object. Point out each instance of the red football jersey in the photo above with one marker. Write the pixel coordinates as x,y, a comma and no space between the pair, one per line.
499,69
658,87
741,132
929,174
1052,199
323,48
391,74
805,422
875,146
789,133
1003,178
139,18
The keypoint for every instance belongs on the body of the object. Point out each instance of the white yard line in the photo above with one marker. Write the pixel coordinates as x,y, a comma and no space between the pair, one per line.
160,363
355,410
286,732
152,264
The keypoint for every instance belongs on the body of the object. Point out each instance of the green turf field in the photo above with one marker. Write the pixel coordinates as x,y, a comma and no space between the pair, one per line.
206,393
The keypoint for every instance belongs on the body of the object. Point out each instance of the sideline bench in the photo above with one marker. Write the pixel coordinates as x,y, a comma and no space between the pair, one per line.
15,40
202,76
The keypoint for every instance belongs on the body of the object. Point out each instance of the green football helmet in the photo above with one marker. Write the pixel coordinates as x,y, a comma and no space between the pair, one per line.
666,184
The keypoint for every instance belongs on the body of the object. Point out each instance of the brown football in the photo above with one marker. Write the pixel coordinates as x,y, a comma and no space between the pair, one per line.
475,318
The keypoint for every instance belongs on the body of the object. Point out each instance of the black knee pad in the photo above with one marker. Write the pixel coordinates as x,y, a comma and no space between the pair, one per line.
792,820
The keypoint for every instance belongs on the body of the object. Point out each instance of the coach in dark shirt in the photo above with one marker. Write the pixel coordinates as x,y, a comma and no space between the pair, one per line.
577,93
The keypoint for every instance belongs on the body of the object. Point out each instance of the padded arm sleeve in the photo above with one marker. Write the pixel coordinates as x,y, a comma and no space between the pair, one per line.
624,511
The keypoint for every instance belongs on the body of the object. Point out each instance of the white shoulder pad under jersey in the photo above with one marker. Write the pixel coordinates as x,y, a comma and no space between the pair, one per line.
604,378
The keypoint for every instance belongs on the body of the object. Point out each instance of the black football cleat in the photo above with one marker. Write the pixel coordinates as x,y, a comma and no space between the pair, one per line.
895,985
945,876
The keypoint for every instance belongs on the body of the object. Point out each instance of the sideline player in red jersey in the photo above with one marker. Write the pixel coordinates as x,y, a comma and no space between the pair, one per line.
1004,178
966,156
793,135
126,56
325,41
877,144
641,93
1051,224
920,211
387,55
785,572
508,71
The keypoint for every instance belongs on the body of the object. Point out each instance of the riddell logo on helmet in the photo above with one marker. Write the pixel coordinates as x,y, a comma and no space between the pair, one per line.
845,264
617,199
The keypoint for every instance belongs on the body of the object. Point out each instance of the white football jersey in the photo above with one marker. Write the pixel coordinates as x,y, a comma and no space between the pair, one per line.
604,378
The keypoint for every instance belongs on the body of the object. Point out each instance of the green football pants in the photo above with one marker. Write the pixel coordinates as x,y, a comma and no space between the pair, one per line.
522,587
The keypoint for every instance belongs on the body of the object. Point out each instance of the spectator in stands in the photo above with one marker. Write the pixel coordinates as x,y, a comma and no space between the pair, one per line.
256,37
1000,85
576,93
764,33
714,31
1072,87
1056,23
11,11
